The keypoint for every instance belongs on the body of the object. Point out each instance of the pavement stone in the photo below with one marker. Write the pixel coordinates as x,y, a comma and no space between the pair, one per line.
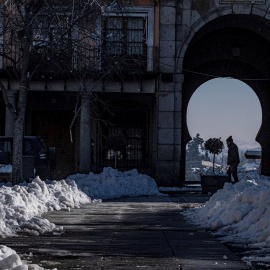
146,232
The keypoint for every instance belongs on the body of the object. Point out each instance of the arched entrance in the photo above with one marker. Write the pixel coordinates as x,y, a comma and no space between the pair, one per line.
230,46
220,108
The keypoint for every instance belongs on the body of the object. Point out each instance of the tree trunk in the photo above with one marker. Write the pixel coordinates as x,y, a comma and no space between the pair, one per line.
214,160
17,175
17,170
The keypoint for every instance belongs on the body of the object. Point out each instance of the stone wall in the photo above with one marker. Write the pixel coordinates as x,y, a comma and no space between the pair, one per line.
179,22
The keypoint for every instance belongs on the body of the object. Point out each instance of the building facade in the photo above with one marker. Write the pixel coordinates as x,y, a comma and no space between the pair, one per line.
157,54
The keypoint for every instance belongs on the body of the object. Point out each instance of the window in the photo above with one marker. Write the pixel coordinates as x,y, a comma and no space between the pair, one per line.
125,42
125,35
51,31
52,47
129,39
132,126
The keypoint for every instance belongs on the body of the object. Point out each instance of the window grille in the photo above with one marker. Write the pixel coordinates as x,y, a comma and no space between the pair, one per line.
132,125
125,42
47,31
52,47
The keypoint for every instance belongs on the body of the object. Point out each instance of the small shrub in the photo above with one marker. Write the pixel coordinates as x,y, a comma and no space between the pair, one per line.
215,147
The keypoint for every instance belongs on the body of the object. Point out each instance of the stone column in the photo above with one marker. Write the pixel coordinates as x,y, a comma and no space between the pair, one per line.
178,82
168,135
9,123
85,136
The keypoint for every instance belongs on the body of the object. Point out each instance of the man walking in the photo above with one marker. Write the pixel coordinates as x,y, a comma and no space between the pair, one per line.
233,159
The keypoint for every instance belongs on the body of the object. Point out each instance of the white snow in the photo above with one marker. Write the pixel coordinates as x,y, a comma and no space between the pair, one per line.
239,214
9,259
21,206
111,184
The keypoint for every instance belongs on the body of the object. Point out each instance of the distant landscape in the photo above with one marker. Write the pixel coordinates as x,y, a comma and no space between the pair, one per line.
247,145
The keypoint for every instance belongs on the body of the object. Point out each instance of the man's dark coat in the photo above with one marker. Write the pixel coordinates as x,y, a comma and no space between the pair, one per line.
233,155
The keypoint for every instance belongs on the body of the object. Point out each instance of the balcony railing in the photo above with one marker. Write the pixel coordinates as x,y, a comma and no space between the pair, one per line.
48,64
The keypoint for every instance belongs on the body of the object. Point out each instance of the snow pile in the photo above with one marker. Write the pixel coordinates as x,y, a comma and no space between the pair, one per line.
9,259
21,206
239,213
111,184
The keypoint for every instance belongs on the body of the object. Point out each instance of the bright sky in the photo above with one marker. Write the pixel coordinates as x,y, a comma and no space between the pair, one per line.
223,107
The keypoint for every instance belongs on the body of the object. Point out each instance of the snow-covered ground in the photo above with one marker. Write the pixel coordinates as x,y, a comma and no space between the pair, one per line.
21,206
240,212
239,215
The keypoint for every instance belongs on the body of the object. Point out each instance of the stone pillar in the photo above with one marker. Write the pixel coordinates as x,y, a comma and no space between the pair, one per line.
165,171
168,134
85,136
263,136
9,122
178,82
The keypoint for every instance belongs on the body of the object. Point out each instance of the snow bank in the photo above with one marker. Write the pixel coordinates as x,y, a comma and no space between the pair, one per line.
21,206
112,184
240,212
10,260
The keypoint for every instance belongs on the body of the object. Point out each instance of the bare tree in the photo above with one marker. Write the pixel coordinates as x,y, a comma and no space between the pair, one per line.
17,18
39,38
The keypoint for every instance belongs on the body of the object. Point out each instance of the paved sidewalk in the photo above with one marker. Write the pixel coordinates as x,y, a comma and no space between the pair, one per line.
131,233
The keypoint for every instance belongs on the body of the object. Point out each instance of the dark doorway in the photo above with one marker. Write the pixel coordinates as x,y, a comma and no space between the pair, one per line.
53,127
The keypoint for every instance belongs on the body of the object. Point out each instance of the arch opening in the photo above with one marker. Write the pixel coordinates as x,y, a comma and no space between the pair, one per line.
210,54
220,108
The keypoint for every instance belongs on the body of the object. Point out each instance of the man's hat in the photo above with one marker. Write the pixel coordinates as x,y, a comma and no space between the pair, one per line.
230,139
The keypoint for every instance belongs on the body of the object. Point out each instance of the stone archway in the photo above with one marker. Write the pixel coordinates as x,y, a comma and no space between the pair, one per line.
230,46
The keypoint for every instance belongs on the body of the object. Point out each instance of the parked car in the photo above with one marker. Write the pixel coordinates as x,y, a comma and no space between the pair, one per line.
33,146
